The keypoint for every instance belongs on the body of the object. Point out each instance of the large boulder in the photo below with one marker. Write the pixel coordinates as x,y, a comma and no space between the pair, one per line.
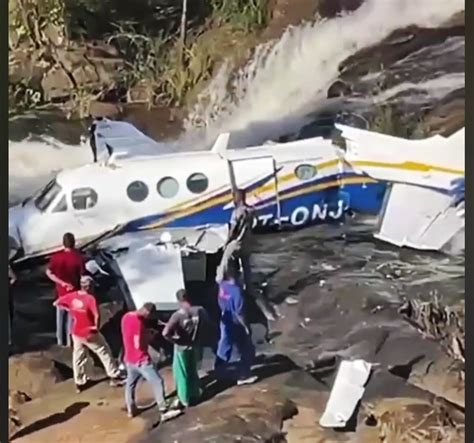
33,373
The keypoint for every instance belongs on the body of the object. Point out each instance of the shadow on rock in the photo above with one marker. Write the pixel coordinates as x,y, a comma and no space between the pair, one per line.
52,420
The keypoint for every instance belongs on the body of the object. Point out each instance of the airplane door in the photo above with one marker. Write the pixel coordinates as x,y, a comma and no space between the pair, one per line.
258,177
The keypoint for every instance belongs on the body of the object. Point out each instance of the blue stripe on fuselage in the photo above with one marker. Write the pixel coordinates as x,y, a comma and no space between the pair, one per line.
303,209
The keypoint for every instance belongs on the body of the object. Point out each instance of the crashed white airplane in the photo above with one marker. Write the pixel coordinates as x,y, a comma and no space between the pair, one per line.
415,186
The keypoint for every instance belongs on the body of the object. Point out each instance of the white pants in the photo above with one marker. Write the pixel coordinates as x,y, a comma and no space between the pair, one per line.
97,344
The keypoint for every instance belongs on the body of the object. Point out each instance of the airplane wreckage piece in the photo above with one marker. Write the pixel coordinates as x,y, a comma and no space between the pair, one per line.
347,391
416,187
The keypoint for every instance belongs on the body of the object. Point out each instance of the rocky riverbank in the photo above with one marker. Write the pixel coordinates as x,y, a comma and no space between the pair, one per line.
338,295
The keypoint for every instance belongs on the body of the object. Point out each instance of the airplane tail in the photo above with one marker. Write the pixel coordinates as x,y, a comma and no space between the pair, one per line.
421,209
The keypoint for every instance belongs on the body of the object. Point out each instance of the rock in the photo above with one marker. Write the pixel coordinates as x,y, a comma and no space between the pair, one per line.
332,8
33,373
56,84
253,413
395,47
441,378
405,419
102,109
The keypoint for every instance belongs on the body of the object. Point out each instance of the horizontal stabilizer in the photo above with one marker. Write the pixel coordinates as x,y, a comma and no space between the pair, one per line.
419,218
433,162
123,140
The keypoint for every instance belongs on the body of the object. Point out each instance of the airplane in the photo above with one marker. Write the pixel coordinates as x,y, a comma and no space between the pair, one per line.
140,185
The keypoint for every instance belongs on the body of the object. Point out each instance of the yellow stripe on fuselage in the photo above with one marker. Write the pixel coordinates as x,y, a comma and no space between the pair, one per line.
408,166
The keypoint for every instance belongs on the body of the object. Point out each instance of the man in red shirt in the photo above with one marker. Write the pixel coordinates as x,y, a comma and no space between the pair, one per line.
136,340
82,307
65,269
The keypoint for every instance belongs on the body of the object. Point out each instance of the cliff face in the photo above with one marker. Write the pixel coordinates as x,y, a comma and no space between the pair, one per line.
77,54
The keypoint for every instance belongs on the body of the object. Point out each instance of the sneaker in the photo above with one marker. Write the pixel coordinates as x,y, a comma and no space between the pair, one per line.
80,388
176,404
132,413
116,382
247,381
169,415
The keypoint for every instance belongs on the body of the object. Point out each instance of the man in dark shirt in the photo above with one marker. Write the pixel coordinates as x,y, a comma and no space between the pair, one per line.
92,141
65,269
188,328
238,244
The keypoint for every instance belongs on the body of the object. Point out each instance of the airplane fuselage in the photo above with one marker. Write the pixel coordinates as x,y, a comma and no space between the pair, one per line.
296,184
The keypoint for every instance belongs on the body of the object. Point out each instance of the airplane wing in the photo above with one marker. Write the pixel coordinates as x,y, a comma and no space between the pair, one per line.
424,207
122,139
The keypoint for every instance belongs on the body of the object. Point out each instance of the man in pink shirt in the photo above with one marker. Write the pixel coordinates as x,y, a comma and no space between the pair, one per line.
136,340
82,307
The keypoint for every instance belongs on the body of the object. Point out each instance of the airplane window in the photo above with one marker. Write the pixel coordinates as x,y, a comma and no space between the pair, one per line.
83,198
167,187
61,206
137,191
305,172
197,183
47,195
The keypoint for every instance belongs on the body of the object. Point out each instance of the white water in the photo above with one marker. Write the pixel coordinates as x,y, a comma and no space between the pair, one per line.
284,80
31,164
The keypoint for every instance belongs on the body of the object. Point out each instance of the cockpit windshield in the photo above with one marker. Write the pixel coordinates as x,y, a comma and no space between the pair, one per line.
47,195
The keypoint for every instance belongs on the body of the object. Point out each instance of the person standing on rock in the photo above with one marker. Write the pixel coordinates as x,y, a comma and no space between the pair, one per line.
187,329
92,141
238,244
65,269
234,330
136,340
82,307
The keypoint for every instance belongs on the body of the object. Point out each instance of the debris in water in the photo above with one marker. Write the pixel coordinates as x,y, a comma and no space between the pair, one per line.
291,300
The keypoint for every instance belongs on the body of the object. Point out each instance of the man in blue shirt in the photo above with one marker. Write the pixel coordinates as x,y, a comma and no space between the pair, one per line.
234,330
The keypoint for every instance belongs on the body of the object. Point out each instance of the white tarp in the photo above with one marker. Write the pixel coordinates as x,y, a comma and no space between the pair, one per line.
347,391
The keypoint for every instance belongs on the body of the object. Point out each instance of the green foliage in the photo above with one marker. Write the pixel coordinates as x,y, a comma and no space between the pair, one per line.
38,22
388,121
245,14
158,67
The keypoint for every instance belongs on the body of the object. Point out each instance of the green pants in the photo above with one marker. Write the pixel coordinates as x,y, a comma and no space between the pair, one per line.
185,372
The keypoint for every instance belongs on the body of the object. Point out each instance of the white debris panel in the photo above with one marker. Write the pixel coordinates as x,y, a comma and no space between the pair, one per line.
348,389
153,270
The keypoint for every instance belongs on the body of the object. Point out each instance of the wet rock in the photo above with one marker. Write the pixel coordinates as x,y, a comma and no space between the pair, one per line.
332,8
395,47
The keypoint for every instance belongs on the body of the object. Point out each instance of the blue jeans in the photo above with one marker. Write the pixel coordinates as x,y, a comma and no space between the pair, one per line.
63,327
148,372
235,335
